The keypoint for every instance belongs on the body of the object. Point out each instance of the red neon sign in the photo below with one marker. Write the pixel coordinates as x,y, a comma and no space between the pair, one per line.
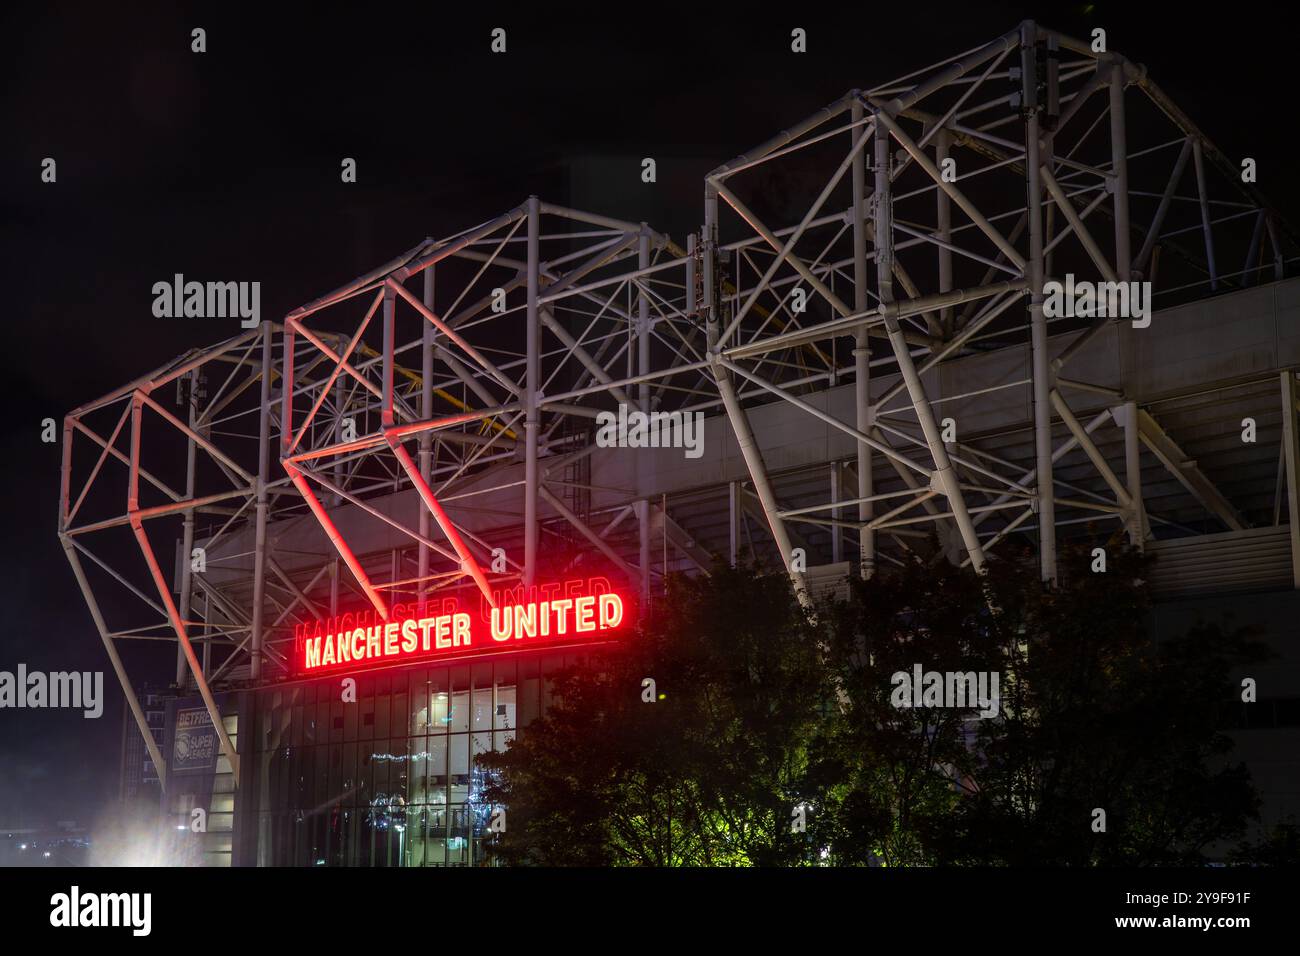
572,612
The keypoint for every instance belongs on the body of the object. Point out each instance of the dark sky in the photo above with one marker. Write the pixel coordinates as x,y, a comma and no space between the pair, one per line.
226,164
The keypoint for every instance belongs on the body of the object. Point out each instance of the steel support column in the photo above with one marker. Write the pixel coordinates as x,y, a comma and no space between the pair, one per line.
165,594
132,701
426,438
532,384
1041,367
1137,524
259,533
864,413
187,533
1291,449
733,522
945,478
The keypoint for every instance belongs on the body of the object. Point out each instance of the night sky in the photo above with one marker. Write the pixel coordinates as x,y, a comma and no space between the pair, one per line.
226,165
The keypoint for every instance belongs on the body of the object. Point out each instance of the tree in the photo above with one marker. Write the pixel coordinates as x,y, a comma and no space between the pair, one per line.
889,772
781,737
1094,715
711,771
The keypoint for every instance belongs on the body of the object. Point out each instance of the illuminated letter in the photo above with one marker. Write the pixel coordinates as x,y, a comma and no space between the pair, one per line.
408,636
525,620
390,638
502,624
313,653
426,625
561,608
442,638
372,641
611,610
358,644
585,609
460,630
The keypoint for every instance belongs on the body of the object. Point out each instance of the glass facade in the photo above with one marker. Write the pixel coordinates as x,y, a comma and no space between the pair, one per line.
389,780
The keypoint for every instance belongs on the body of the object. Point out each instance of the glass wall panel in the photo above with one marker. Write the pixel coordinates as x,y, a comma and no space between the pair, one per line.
335,786
458,837
379,767
338,837
418,691
390,779
504,713
366,718
481,704
399,774
481,708
435,850
298,717
383,703
413,851
458,767
265,708
320,723
349,775
351,715
458,714
365,773
437,775
551,663
529,693
265,782
440,702
401,716
300,774
336,720
322,789
417,778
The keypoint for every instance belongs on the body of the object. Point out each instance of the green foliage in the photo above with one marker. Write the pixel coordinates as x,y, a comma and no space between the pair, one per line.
709,774
763,707
891,772
1096,714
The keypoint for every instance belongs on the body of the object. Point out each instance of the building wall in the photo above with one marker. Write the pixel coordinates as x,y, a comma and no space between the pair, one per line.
200,777
390,779
139,775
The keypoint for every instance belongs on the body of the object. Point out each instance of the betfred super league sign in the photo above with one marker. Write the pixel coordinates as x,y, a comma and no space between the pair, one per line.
564,613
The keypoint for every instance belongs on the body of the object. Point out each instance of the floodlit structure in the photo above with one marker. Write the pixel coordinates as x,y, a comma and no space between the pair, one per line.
867,324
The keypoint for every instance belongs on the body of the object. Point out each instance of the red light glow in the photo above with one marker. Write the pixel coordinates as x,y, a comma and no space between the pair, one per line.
574,612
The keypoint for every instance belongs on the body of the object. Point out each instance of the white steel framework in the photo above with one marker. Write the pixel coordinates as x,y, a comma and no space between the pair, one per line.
863,310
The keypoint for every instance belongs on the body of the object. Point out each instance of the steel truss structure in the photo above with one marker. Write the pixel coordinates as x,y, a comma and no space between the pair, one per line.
861,320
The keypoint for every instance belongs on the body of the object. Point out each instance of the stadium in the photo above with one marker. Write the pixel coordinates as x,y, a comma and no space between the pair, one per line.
402,481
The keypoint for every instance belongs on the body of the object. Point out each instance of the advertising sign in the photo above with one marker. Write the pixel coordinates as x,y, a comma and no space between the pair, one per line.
561,613
195,741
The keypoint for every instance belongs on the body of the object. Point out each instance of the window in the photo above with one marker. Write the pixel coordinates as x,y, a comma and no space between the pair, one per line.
391,779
